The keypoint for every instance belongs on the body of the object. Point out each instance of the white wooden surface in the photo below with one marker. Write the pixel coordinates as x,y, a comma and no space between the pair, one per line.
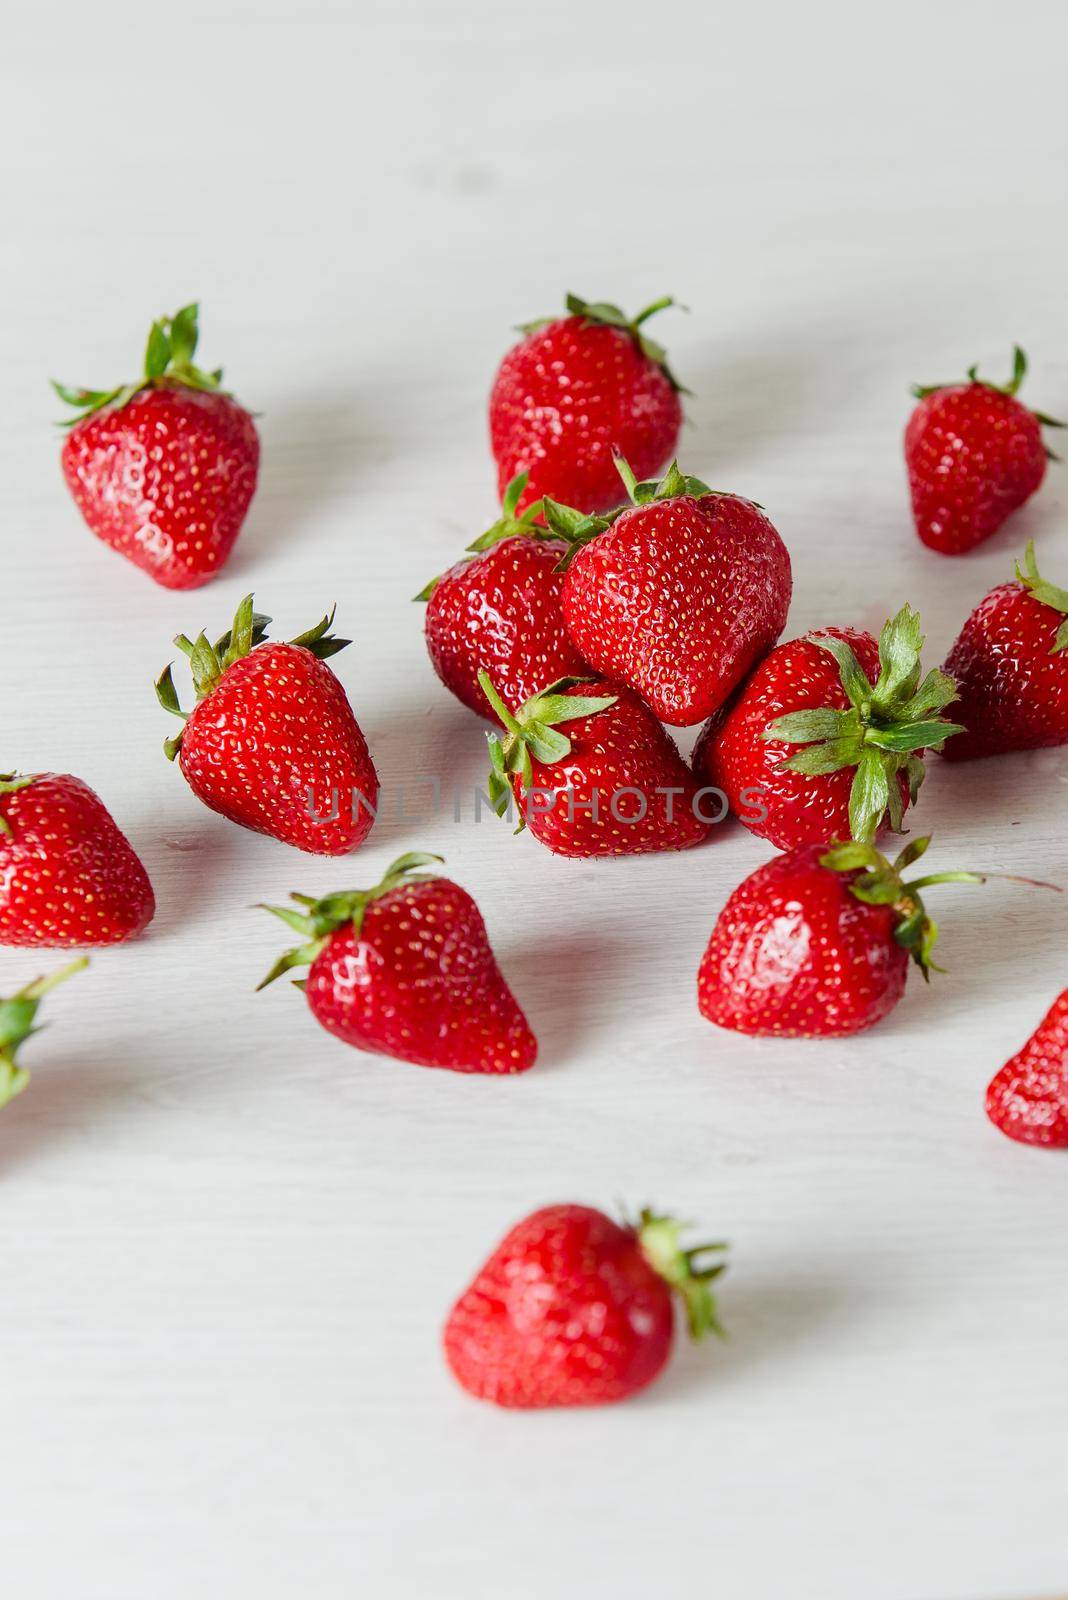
227,1243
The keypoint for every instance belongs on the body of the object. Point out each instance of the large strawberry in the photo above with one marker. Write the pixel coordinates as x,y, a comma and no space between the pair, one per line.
612,785
974,454
573,1309
679,595
500,612
577,391
1011,667
68,877
18,1019
816,943
405,969
863,717
164,469
272,742
1028,1098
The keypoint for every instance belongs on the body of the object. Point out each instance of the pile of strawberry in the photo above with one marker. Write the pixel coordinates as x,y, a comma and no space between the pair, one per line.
605,602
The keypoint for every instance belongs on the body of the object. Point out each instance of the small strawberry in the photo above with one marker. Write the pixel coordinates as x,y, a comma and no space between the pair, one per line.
164,469
576,392
405,969
613,785
573,1309
974,455
1011,667
272,743
816,943
679,595
1028,1098
68,877
864,718
500,612
18,1020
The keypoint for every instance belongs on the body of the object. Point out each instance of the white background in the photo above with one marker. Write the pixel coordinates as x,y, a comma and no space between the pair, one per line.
228,1243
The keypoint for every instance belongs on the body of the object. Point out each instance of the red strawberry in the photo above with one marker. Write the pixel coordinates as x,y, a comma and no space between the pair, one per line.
1011,667
500,612
679,596
18,1021
577,391
272,742
572,1309
1028,1098
68,877
816,943
974,454
164,469
864,718
405,969
613,785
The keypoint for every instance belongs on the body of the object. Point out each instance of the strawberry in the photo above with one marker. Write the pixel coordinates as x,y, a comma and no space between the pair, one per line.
272,742
863,717
679,595
816,943
1011,667
163,469
613,785
974,455
500,612
577,391
18,1021
573,1309
1028,1098
68,877
405,970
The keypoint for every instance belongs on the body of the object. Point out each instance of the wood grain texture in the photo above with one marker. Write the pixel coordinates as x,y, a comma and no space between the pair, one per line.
228,1243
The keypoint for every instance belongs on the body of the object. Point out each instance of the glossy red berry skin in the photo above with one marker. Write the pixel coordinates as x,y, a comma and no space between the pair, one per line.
275,747
1028,1098
1012,690
419,982
570,397
974,455
69,879
619,755
566,1312
499,612
795,955
166,480
680,599
731,755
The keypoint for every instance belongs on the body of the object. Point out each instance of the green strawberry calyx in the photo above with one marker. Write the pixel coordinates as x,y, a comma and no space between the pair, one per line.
210,662
880,884
887,726
11,783
172,344
18,1022
532,734
600,313
920,391
318,919
577,528
660,1241
1048,594
511,524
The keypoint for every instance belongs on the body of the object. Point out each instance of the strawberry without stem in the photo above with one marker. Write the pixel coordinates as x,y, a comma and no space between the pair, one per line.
272,743
163,470
1028,1098
974,454
573,1309
863,717
405,969
577,391
18,1019
68,877
816,943
1011,667
500,612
